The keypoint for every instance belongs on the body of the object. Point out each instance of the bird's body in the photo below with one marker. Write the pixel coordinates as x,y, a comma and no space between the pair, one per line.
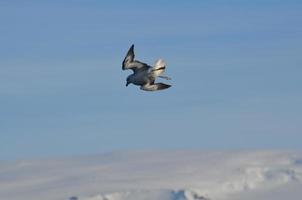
143,74
140,78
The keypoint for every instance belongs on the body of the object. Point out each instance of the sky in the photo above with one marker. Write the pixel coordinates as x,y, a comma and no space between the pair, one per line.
235,67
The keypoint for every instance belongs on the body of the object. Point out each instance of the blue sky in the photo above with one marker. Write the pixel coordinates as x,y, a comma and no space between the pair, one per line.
235,67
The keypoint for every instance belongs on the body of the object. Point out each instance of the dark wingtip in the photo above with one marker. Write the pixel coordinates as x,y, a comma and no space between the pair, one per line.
167,86
163,86
131,50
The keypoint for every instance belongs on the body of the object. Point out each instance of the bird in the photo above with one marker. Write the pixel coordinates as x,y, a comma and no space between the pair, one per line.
144,75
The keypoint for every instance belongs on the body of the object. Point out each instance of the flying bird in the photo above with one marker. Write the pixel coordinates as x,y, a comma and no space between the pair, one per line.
143,74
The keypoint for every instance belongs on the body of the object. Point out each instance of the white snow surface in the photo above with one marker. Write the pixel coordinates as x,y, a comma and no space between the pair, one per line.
156,175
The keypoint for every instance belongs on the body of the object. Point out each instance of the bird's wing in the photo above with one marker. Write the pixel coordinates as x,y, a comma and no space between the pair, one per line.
128,58
130,63
158,68
155,87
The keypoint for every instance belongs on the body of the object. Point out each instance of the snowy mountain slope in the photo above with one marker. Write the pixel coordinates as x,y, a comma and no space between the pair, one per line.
162,175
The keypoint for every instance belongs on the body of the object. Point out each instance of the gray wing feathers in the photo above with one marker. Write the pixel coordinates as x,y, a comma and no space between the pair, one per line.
128,58
155,87
130,63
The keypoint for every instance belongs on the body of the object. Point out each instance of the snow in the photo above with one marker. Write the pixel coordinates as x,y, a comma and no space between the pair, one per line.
156,175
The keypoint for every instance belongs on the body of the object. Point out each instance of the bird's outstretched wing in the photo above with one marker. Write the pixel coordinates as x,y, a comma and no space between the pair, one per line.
130,63
154,87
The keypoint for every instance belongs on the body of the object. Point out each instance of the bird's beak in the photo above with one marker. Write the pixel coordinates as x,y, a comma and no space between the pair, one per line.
127,84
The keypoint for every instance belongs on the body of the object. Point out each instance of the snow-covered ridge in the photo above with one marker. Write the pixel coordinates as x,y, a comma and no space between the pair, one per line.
162,175
148,195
